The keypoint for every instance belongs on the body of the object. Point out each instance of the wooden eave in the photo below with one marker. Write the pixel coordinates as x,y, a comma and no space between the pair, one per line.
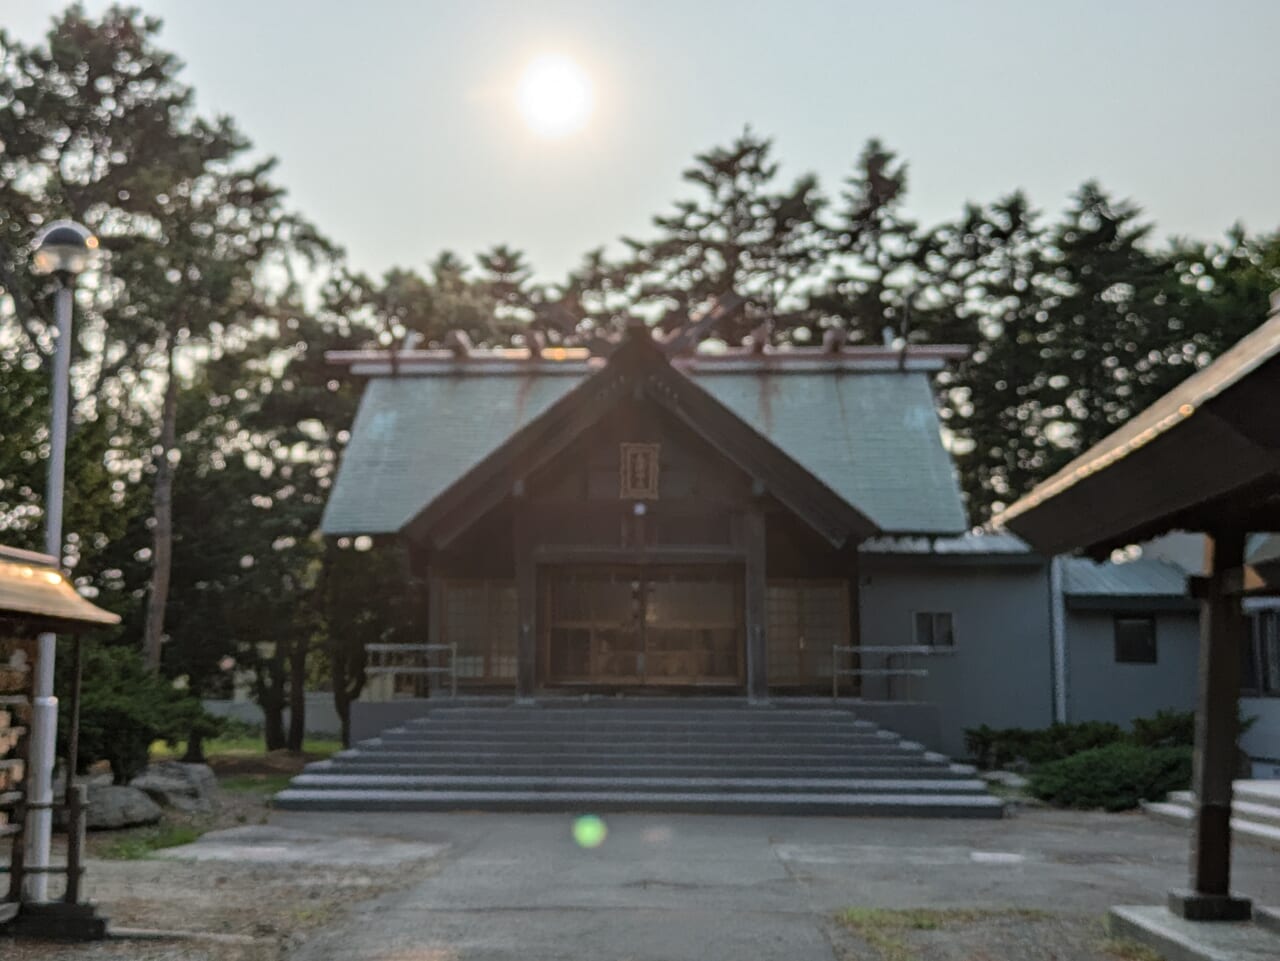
1206,456
36,596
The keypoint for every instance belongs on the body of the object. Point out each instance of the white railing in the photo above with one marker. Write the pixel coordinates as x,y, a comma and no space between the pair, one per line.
887,671
412,660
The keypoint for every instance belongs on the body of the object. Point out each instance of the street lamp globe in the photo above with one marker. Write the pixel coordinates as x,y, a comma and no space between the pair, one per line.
64,247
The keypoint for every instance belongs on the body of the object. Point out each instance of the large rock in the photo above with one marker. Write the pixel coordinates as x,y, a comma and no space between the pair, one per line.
184,787
119,806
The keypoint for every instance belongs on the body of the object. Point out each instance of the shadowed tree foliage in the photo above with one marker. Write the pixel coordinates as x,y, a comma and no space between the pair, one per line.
742,234
207,427
873,246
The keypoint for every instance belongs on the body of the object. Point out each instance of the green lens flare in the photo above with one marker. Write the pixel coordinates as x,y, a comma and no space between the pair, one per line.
589,831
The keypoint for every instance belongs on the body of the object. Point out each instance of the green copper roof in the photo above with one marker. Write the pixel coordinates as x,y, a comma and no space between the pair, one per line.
872,437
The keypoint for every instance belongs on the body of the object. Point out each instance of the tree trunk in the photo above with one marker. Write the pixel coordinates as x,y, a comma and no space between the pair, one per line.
195,748
273,724
269,680
162,511
297,693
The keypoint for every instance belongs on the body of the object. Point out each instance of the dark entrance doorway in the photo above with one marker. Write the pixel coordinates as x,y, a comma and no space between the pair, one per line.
648,626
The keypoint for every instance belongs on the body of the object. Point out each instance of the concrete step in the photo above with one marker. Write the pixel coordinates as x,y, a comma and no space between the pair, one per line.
538,722
622,746
637,732
1241,828
688,785
613,758
866,805
517,769
605,711
662,756
1258,792
1249,810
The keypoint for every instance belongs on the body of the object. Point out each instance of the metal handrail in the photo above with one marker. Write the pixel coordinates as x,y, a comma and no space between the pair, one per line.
887,651
416,670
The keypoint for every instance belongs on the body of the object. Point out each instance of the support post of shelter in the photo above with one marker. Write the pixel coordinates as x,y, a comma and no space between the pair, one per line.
1221,634
526,607
854,589
756,587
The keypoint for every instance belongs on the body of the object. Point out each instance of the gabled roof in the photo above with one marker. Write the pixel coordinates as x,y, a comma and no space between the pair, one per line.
414,436
861,427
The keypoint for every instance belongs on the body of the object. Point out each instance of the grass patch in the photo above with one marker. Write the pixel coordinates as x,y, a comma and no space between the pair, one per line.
142,842
1127,950
242,746
255,783
885,929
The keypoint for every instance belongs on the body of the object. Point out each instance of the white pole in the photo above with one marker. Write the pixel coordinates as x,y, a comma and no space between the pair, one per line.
44,722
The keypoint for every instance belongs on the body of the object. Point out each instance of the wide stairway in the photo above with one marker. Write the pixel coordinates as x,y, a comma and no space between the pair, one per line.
729,759
1255,811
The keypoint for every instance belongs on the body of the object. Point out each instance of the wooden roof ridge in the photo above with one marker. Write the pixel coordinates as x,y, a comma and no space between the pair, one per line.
639,364
577,360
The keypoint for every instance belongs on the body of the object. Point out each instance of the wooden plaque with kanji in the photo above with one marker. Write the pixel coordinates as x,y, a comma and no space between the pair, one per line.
639,472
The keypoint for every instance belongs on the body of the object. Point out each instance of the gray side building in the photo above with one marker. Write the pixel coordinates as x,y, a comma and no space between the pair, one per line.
1030,641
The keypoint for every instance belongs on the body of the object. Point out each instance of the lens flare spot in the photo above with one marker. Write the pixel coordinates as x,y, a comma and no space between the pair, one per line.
589,831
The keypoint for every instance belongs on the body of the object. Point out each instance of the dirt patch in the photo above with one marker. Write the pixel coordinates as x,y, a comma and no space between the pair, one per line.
274,762
981,934
243,911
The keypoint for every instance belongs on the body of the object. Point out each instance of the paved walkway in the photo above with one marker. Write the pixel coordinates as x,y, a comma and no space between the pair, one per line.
669,888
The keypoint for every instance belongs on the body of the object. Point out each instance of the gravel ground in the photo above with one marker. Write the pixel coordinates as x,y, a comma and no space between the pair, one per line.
248,909
994,936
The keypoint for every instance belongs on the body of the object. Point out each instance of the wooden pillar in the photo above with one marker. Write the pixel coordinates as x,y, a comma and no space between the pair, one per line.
435,618
756,588
526,606
854,588
1221,635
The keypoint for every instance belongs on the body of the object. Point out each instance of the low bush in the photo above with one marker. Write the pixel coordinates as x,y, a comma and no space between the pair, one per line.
123,709
1165,729
1115,777
994,748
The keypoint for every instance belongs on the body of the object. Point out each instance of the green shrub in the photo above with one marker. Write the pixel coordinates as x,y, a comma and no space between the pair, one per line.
993,748
1165,729
233,727
1114,778
123,709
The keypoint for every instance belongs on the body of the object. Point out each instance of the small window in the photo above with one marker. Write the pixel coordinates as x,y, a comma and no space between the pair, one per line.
935,629
1260,667
1135,640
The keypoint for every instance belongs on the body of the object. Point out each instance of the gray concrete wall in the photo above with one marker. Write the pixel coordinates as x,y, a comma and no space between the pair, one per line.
999,672
1099,689
322,717
1263,740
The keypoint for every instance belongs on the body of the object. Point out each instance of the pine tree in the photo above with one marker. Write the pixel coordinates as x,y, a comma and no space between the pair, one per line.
874,246
741,235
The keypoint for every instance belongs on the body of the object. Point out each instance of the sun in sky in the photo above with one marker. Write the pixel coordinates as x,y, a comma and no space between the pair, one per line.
554,96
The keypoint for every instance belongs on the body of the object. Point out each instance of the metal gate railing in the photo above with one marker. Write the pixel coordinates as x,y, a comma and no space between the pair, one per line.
413,660
887,671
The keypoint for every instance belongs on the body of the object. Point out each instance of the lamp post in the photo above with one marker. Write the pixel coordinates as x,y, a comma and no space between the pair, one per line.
63,249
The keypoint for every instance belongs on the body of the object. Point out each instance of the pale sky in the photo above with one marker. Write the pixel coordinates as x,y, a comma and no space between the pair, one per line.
397,132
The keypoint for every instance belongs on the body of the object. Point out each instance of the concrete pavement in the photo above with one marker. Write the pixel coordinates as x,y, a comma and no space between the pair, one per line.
705,888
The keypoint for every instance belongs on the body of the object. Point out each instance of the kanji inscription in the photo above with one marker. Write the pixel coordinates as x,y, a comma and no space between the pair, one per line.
639,472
